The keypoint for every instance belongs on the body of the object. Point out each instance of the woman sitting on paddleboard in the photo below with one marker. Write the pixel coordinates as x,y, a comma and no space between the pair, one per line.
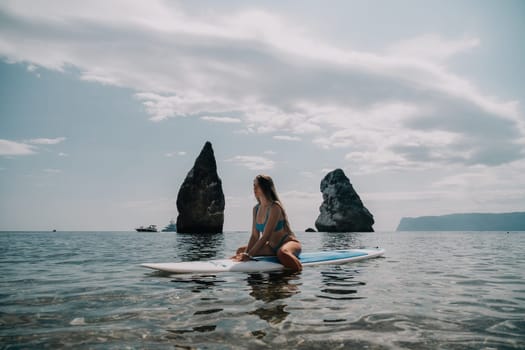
271,233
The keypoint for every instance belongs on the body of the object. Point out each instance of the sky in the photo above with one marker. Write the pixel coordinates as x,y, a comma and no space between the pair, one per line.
104,106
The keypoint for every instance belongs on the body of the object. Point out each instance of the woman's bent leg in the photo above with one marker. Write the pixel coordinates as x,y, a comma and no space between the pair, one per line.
288,253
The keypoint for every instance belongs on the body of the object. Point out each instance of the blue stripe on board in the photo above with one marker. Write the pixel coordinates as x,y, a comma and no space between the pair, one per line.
318,256
327,256
267,259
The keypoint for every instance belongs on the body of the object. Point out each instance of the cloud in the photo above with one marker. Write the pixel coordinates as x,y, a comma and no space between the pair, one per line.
275,75
161,107
33,69
174,154
433,47
45,141
11,148
253,162
226,120
286,138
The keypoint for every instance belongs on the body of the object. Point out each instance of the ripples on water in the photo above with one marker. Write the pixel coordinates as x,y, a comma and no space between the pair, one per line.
433,290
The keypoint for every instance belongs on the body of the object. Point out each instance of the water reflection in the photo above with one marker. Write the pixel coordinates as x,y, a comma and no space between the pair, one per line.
200,329
339,240
340,283
193,247
269,288
198,283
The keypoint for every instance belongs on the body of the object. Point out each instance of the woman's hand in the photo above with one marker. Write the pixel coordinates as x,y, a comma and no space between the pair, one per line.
241,257
235,257
238,253
245,257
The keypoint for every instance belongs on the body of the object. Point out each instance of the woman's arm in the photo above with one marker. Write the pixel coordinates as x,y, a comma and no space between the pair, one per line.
273,217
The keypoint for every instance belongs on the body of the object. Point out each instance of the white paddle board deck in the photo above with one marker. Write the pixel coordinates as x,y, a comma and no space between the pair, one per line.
266,263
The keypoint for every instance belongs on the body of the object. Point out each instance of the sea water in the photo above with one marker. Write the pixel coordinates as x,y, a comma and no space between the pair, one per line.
432,290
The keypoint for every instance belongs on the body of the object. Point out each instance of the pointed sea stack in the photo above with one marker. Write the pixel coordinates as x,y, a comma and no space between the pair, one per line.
342,209
200,201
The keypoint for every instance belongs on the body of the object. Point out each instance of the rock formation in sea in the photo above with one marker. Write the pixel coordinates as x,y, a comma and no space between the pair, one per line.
342,209
200,201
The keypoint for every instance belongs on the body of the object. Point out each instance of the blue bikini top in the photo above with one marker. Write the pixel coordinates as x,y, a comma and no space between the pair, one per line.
260,227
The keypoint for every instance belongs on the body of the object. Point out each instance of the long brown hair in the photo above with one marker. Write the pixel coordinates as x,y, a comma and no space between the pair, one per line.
267,187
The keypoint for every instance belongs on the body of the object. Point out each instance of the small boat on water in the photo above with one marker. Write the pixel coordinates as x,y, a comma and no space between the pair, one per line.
172,227
150,228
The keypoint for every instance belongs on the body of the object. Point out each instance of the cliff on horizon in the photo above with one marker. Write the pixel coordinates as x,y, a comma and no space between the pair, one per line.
465,222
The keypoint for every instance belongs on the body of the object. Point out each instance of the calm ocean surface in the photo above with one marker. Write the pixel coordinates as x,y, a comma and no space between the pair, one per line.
432,290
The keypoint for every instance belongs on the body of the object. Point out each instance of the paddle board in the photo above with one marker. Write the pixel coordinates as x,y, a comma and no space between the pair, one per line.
266,263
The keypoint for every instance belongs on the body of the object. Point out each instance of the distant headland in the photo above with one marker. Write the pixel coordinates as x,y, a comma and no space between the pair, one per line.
465,222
